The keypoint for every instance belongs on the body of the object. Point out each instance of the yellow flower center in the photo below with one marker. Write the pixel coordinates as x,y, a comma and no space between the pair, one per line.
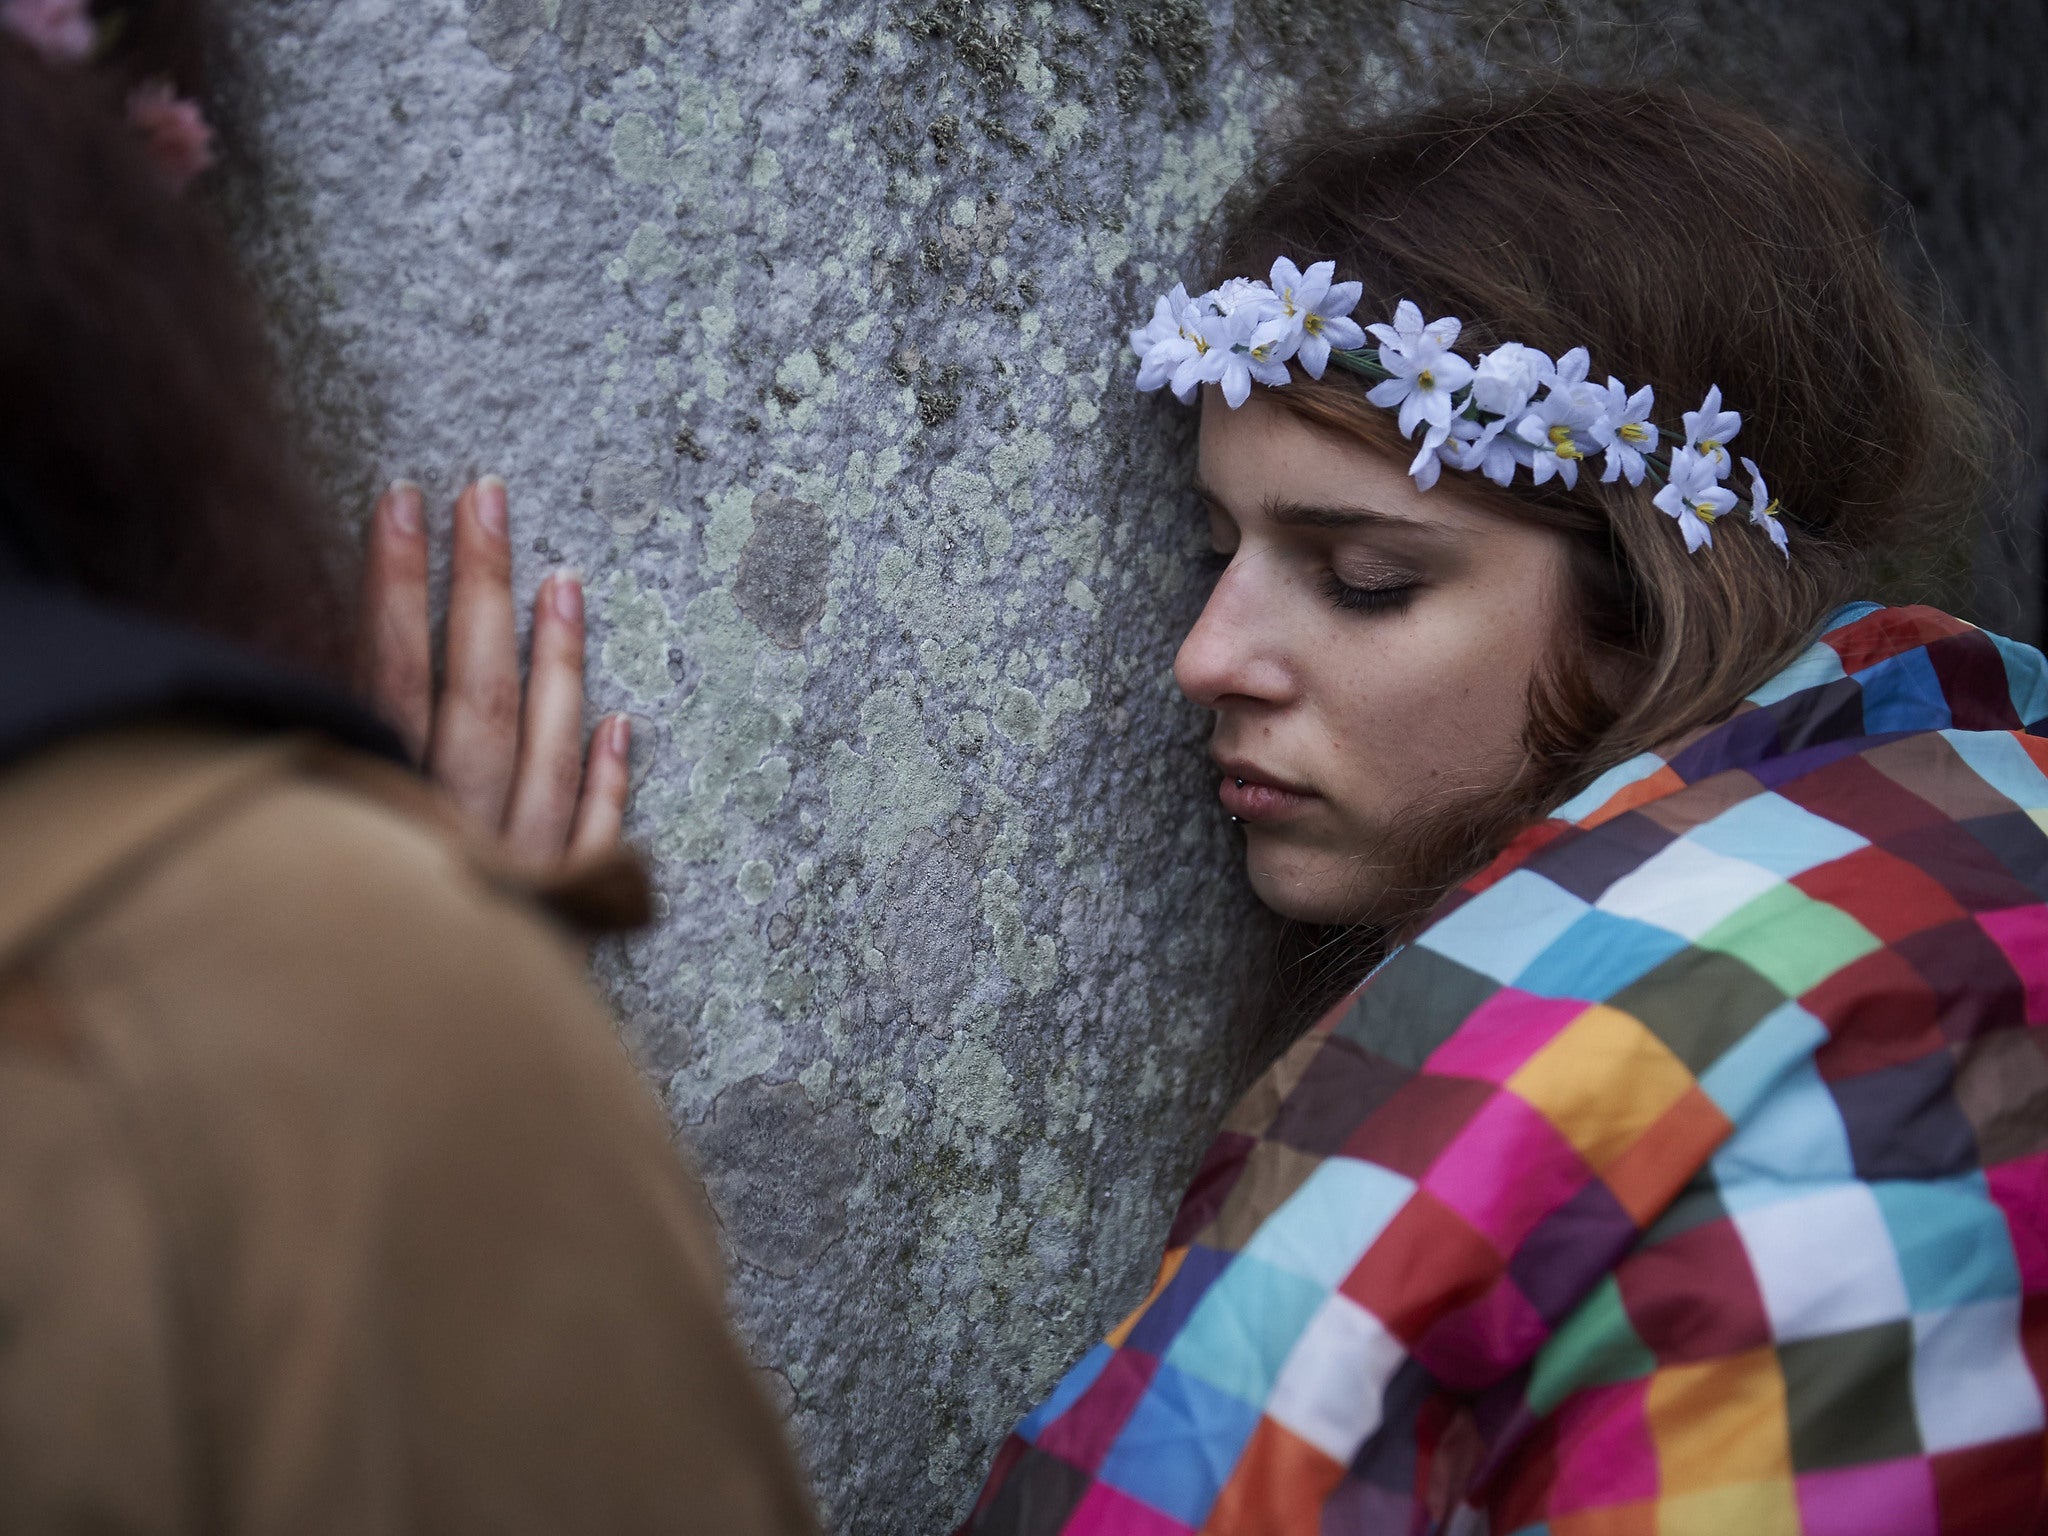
1772,509
1312,323
1632,431
1704,511
1561,443
1426,379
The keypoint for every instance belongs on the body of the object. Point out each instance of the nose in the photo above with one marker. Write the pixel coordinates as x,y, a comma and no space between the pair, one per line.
1236,651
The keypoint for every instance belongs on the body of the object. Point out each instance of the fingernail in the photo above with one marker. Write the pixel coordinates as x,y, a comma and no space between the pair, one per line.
621,735
567,596
490,505
402,505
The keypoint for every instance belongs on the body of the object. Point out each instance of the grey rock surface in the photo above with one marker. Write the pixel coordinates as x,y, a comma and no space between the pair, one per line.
798,328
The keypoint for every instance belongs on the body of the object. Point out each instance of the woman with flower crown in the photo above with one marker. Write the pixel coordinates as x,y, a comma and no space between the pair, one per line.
1682,1165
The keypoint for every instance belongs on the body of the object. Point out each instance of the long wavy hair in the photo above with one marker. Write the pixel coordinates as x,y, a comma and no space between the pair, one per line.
1685,243
143,458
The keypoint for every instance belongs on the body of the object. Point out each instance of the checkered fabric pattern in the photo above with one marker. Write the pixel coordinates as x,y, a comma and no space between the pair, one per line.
1688,1174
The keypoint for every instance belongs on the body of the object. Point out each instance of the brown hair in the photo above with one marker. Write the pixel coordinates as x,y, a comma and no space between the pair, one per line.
1685,243
142,459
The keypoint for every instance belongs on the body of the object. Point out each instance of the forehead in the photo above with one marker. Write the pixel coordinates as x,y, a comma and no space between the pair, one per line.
1262,462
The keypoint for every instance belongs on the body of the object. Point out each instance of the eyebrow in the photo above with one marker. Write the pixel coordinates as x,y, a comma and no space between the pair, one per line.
1291,514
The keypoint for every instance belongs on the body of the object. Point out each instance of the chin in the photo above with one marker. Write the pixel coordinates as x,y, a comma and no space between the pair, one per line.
1309,887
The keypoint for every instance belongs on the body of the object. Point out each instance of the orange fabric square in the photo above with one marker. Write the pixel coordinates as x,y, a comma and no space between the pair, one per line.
1722,1424
1664,781
1769,1508
1636,1519
1663,1160
1602,1081
1278,1488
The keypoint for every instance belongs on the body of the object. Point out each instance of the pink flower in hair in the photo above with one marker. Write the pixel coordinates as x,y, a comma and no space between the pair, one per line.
174,131
59,30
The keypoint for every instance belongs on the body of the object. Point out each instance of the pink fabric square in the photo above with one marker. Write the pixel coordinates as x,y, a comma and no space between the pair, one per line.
1083,1434
1506,1171
1886,1498
1502,1033
1605,1453
2021,1189
1106,1512
1474,1346
2022,932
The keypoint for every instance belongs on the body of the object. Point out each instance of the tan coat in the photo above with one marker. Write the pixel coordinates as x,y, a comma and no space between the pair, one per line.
329,1201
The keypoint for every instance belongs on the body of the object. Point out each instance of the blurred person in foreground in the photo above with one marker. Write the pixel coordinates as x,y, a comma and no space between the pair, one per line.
329,1200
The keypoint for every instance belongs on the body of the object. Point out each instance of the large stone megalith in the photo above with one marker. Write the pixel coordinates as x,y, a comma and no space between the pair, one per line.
797,326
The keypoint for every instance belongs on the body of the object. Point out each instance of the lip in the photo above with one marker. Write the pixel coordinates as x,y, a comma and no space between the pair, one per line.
1252,794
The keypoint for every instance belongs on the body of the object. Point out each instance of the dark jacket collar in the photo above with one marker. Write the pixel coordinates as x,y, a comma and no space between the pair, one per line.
69,665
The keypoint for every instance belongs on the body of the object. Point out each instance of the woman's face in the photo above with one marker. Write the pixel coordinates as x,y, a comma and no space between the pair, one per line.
1367,650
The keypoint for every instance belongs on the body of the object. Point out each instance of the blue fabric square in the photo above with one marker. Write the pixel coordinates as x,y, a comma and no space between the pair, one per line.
1597,956
1325,1226
1817,665
1903,693
1772,833
1241,1334
1162,1320
1952,1240
1791,1139
1755,1064
1608,785
1179,1446
1999,760
1067,1393
2025,683
1505,927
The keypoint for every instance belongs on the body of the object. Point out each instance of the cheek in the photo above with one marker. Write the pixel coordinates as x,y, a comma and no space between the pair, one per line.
1435,698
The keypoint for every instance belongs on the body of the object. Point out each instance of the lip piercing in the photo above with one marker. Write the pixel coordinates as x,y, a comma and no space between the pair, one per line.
1238,821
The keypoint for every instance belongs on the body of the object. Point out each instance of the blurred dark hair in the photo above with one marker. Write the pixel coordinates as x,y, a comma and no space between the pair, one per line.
1686,243
143,457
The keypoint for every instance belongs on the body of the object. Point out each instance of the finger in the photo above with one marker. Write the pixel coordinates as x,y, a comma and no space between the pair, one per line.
476,725
394,644
606,780
550,766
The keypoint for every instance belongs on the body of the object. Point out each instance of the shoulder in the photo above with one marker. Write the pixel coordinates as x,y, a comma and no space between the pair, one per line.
282,918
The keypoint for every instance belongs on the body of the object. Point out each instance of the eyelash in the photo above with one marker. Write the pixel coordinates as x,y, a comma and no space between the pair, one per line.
1366,599
1214,562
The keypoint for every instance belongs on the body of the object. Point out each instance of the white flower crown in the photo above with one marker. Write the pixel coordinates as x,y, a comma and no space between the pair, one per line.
1485,416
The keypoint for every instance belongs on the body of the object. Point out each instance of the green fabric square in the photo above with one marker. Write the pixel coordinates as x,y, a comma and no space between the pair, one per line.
1792,939
1699,1003
1849,1397
1594,1346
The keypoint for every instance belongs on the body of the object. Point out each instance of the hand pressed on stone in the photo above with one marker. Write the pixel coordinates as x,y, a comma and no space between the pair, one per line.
509,753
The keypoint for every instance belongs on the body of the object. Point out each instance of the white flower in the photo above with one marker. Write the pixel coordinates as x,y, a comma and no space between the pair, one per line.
1508,377
1426,374
1695,496
1165,339
1570,416
1492,449
1244,293
1626,431
1253,357
1764,507
1205,355
1320,309
1709,430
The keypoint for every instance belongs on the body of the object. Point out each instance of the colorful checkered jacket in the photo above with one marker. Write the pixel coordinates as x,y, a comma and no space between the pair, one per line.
1686,1176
